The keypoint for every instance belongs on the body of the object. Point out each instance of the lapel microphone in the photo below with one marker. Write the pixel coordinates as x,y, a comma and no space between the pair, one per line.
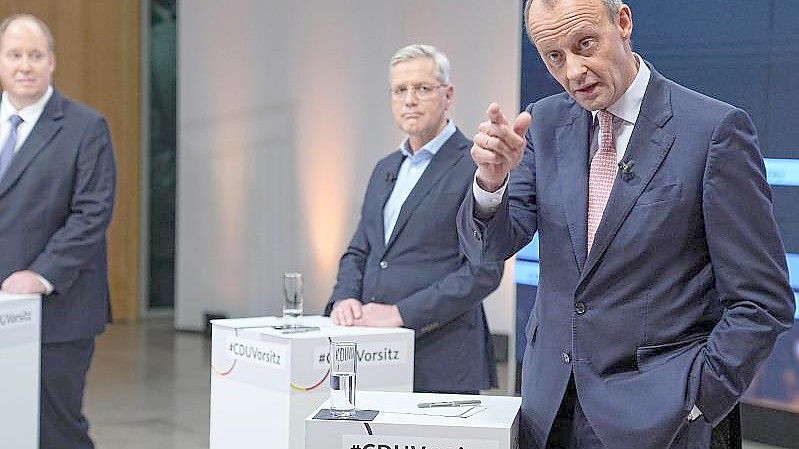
390,177
626,169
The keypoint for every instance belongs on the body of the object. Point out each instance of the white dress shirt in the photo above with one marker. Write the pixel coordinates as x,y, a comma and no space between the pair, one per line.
30,115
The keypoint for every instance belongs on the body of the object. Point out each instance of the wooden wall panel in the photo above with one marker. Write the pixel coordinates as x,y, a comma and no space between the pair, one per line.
97,62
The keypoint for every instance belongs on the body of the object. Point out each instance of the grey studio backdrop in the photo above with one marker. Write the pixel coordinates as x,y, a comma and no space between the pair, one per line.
283,110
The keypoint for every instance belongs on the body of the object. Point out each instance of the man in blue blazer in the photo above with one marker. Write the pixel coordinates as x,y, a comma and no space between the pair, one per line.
56,196
403,266
663,280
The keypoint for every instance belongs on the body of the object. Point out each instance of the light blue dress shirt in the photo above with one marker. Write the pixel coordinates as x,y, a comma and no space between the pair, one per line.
412,168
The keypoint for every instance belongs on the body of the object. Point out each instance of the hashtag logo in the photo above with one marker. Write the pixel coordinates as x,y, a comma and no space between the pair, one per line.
322,358
356,446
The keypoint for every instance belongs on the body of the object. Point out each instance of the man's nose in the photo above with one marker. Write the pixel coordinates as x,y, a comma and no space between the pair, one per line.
25,63
575,68
410,97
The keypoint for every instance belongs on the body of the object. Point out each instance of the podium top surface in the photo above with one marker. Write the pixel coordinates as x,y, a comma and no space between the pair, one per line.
402,408
265,326
14,297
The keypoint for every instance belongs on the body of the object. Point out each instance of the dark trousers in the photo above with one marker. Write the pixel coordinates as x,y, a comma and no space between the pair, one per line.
61,421
571,429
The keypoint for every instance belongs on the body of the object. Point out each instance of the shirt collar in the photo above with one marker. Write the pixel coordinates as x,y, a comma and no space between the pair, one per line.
434,144
628,106
30,114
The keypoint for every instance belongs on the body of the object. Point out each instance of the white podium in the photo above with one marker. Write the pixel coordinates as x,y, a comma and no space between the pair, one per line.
265,381
20,348
401,423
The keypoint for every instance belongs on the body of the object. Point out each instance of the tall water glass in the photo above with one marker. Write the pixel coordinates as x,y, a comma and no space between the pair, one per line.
292,298
343,358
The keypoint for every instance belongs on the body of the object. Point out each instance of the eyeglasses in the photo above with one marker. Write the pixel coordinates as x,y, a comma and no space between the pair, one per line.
421,91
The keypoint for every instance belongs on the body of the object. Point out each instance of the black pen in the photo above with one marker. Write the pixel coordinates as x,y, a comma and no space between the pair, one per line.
448,403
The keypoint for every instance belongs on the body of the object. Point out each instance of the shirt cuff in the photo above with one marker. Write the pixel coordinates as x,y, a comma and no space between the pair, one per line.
486,203
48,287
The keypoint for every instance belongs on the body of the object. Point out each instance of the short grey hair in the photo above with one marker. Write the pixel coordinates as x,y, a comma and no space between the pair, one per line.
30,17
416,51
613,7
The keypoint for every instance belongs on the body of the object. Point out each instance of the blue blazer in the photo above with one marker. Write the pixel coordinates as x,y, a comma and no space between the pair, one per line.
55,205
421,270
685,289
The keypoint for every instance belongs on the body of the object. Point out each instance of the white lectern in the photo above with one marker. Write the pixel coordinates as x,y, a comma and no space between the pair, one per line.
401,423
20,337
265,381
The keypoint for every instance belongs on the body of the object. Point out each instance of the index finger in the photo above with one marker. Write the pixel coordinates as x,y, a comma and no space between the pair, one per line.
495,115
507,136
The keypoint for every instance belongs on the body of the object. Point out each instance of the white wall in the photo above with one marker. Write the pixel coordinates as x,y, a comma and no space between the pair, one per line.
283,111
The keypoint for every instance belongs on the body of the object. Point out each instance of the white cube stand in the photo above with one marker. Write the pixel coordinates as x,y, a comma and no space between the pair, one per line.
265,381
20,352
402,424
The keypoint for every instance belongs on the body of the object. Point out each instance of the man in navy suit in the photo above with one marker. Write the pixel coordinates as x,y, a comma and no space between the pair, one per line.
56,196
663,281
403,266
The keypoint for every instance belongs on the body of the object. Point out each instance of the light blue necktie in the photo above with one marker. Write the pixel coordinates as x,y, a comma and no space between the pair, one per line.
7,153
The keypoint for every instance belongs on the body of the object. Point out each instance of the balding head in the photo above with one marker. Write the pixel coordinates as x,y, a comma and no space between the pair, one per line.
31,20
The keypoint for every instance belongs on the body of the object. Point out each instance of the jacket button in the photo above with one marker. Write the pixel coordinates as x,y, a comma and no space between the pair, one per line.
476,234
383,264
566,357
579,307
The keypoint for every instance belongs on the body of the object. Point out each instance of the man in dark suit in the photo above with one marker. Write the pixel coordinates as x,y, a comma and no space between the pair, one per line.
56,196
663,280
403,266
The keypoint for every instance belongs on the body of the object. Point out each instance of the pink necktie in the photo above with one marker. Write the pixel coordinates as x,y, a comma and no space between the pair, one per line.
601,175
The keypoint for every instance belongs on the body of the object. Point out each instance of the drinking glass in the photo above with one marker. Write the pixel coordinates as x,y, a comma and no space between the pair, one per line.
292,298
343,358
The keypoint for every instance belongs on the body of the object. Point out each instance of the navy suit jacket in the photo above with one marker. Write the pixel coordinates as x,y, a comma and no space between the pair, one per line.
55,205
685,289
438,292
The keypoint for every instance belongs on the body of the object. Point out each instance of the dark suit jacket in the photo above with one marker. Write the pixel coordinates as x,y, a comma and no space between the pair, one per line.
421,270
685,289
55,205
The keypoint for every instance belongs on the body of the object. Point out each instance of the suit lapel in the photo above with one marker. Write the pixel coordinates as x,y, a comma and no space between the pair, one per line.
393,166
648,147
47,126
448,155
572,141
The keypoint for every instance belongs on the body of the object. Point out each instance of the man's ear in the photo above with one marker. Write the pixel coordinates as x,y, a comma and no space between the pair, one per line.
449,92
625,22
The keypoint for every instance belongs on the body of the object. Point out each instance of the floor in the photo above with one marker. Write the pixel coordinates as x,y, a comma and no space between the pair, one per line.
149,388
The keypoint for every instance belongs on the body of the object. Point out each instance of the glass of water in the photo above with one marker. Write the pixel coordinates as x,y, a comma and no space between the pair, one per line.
292,298
343,358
